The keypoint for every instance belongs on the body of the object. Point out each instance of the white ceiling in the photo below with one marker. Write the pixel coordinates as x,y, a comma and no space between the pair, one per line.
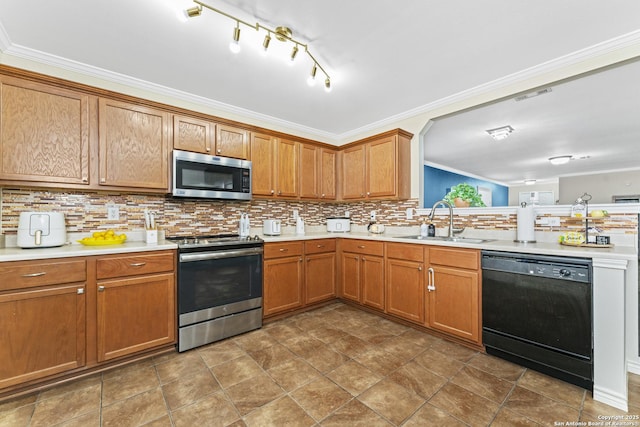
387,59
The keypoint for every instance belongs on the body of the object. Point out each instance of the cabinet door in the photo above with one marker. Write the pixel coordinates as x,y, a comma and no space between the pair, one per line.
372,269
282,286
353,173
381,168
191,134
42,333
309,171
350,276
454,304
327,174
287,156
262,161
44,133
135,314
405,289
232,142
134,149
320,277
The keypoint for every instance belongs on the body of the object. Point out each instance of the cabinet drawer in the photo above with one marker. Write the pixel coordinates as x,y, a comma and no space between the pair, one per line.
405,251
29,274
362,247
279,250
461,258
319,246
133,265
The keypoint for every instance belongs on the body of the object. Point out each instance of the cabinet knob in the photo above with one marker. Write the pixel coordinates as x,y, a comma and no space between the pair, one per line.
419,268
273,191
85,179
323,195
219,151
103,180
363,259
279,192
100,288
368,194
80,291
208,149
300,260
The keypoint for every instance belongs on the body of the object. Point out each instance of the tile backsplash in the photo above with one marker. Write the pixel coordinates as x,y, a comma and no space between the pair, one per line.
87,211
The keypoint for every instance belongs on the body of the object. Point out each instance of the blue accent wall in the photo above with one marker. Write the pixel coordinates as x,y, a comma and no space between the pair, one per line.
438,182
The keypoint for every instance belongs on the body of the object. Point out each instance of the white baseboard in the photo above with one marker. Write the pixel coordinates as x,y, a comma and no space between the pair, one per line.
610,398
633,366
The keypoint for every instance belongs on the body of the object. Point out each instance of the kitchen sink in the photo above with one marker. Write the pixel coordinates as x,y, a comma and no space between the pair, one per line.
447,239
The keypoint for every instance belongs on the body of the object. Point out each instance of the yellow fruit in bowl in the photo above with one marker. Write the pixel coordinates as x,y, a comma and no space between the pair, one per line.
598,213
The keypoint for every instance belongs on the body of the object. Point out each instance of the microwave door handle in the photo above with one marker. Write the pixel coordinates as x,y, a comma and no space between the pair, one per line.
203,256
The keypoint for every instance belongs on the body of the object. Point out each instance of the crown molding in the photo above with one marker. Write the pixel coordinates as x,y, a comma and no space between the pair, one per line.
592,52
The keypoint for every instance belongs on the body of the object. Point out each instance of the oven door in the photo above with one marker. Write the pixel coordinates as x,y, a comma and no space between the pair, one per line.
211,284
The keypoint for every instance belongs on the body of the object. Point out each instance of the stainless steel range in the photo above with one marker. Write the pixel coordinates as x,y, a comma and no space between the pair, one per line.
219,287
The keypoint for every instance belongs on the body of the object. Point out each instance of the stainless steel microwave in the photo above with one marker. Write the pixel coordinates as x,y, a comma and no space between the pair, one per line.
210,177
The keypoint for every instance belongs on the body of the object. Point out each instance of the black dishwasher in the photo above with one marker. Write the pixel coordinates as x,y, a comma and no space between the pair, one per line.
537,312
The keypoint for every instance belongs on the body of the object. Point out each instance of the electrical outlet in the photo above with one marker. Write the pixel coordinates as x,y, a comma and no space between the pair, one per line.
373,215
554,221
409,213
295,214
113,213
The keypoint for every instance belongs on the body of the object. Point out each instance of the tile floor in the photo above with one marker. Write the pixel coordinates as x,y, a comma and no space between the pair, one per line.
334,366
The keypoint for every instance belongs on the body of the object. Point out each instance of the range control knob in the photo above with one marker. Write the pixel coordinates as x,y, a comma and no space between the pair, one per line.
565,272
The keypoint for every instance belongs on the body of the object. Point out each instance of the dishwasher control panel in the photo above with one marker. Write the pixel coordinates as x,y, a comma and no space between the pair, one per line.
562,268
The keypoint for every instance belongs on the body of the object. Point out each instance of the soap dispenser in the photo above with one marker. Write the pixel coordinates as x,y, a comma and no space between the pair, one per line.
424,230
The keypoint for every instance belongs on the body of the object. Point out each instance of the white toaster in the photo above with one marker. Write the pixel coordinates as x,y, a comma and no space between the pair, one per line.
271,227
41,230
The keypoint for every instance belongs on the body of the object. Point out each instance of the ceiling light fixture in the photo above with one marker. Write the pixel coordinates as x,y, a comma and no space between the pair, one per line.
283,34
500,133
560,160
529,181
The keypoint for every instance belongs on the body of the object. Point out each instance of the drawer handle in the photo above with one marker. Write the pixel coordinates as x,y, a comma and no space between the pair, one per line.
320,246
361,246
137,264
42,273
284,250
100,288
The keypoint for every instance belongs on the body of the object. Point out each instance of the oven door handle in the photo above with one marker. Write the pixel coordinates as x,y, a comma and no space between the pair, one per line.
203,256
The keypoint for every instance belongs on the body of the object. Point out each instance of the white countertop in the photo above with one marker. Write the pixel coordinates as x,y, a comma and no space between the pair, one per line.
74,250
544,248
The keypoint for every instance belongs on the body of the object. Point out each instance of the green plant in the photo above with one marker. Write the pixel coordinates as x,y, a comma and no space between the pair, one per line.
465,192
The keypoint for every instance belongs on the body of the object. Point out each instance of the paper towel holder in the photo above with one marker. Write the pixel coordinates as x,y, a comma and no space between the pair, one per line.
524,205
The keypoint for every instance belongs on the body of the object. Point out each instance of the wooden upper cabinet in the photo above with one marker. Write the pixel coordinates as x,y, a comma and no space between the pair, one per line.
309,158
262,161
134,148
287,155
274,166
378,167
232,142
327,174
353,172
192,134
44,133
317,172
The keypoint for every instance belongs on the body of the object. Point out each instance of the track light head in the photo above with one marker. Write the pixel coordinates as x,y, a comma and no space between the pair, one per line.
234,45
311,80
294,52
327,84
267,40
193,11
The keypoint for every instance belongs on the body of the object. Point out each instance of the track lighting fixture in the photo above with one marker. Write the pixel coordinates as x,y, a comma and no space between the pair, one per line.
234,45
282,34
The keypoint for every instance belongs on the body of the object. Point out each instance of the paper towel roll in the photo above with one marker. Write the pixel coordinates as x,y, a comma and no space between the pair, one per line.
526,225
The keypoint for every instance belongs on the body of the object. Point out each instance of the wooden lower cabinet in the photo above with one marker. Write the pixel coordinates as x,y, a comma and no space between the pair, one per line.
283,276
135,314
405,281
454,292
362,272
319,270
42,332
67,316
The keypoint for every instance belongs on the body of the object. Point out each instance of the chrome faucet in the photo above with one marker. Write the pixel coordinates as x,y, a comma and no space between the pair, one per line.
451,229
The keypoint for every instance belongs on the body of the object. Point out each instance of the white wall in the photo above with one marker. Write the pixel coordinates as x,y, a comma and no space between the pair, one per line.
601,186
